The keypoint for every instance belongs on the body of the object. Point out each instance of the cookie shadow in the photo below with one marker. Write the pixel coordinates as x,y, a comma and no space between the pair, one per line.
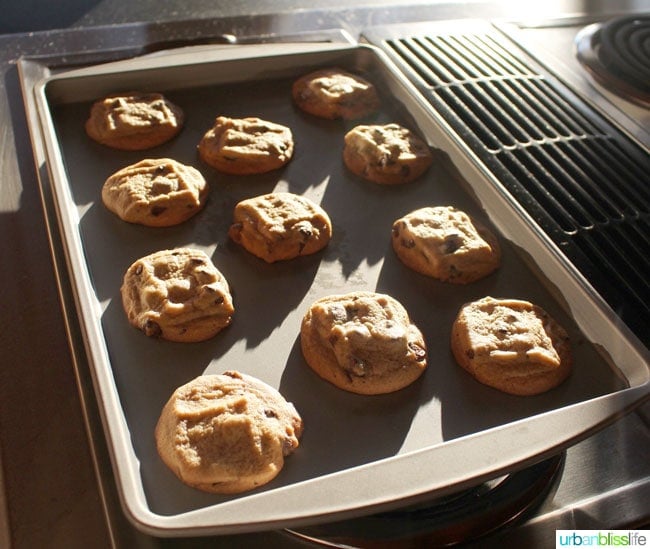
465,405
264,294
146,371
343,429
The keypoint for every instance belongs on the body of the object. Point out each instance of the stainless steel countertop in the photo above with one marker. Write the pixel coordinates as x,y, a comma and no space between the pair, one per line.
49,495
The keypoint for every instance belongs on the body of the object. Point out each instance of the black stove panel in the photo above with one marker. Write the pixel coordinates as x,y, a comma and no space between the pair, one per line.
583,181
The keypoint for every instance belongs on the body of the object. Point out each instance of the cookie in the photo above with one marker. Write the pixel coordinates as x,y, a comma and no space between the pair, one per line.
363,342
334,93
446,244
388,154
155,192
227,433
246,146
511,345
178,295
280,226
134,121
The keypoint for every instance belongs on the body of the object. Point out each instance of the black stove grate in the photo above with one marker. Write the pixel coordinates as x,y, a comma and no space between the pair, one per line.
585,183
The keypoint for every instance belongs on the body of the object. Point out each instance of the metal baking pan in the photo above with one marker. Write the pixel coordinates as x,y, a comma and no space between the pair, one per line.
358,454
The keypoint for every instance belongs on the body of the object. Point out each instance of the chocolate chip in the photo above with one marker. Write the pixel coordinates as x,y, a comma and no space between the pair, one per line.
420,353
157,210
351,312
152,329
407,243
470,354
287,446
270,413
306,233
452,243
138,269
356,367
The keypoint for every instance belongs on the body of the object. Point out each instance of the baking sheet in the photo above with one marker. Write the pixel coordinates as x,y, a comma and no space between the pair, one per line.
416,440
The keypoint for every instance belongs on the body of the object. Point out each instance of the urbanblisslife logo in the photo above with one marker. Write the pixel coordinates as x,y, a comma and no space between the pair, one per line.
630,539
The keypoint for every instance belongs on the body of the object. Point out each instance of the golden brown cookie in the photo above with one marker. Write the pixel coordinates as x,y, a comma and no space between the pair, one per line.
246,146
446,244
387,154
511,345
227,433
334,93
178,295
363,342
155,192
279,226
134,121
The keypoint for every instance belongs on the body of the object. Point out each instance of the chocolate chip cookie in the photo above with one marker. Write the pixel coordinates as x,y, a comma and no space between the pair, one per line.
447,244
363,342
388,154
134,121
334,93
511,345
227,433
246,146
280,226
155,192
178,295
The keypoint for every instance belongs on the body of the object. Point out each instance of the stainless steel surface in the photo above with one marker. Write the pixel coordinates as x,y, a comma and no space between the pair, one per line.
50,493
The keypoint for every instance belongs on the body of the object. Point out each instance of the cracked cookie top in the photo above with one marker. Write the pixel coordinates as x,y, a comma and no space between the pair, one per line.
388,154
445,243
227,433
178,295
155,192
334,93
244,146
363,342
134,121
280,226
511,345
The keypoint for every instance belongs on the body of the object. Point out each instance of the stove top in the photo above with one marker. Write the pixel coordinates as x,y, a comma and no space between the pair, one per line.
604,480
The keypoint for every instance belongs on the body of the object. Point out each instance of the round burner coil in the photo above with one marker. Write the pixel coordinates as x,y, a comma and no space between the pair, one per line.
617,54
447,521
625,50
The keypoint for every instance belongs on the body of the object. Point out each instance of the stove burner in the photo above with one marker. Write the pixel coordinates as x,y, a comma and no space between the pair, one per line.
617,55
446,521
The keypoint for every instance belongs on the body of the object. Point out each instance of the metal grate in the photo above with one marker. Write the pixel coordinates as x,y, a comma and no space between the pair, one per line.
584,182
